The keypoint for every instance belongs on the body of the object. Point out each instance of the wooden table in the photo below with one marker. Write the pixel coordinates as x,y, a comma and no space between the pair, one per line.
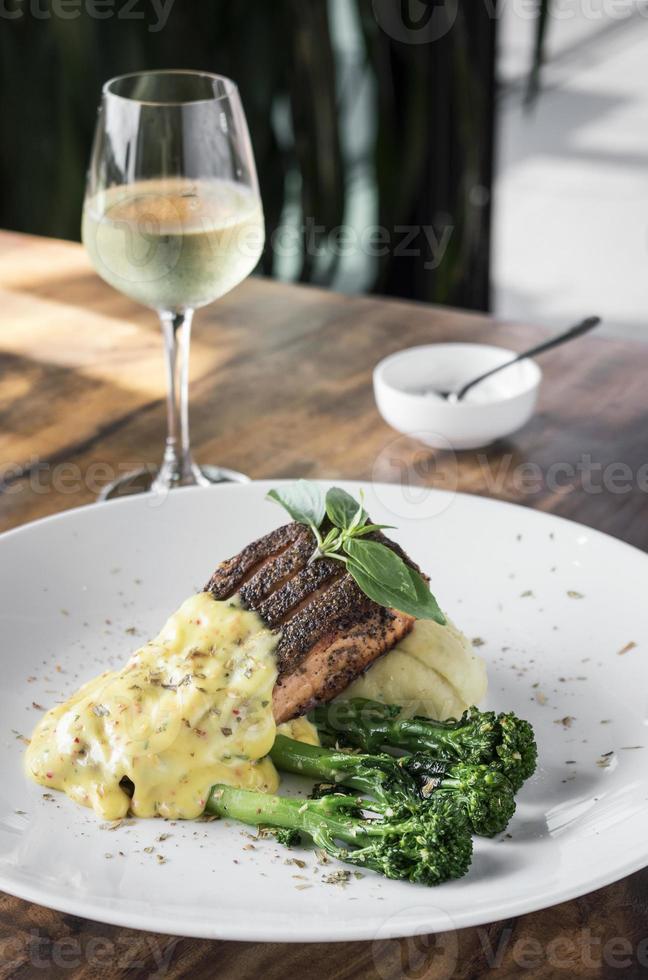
281,386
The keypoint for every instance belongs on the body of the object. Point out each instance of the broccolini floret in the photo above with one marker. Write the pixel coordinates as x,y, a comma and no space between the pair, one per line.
503,742
485,794
401,783
429,845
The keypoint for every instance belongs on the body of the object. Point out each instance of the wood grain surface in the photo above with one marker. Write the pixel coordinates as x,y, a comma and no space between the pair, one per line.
281,386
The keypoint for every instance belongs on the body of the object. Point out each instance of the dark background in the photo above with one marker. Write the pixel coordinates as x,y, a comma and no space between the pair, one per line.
429,115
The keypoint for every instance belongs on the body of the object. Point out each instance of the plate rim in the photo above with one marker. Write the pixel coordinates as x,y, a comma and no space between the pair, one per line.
363,928
358,930
96,505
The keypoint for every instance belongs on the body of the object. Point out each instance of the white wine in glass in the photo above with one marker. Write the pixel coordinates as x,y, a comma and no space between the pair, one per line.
173,219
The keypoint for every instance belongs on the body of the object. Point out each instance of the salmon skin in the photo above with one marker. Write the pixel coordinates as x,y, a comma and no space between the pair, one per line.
329,630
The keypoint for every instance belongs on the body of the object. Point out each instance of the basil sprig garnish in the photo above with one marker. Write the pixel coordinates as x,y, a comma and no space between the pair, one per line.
303,501
377,570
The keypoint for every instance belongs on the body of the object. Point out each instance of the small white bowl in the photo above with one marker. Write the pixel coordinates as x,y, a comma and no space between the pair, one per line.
405,384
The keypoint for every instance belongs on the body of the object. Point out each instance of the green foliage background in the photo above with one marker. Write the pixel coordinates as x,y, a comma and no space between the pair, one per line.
433,121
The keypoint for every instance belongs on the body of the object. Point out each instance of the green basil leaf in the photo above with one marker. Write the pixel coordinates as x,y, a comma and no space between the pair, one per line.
343,510
368,528
361,517
303,500
331,540
427,604
382,564
424,606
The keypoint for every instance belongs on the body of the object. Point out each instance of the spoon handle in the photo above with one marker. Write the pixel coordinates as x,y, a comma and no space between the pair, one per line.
576,331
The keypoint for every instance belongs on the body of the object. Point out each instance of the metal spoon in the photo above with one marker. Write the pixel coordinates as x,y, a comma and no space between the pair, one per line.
576,331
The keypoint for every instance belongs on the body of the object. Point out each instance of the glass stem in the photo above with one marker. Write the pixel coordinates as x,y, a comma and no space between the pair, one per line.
178,468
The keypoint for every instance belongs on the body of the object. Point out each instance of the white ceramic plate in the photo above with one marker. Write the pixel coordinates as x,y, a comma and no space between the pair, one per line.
554,602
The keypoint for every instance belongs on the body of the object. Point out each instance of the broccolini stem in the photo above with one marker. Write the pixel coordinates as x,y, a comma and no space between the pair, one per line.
373,733
368,774
290,755
322,820
253,808
413,734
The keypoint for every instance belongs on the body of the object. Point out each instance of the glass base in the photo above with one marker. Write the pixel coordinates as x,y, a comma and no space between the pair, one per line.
146,481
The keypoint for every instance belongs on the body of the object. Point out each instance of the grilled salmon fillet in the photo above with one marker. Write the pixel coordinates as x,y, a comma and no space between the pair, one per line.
329,631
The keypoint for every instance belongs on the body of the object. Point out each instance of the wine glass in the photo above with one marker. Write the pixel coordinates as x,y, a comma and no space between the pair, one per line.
172,218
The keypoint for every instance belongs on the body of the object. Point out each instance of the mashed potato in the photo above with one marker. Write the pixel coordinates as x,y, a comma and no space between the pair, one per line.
300,729
432,672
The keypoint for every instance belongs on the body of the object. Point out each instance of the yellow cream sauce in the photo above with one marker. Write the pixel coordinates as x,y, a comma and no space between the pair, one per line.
190,709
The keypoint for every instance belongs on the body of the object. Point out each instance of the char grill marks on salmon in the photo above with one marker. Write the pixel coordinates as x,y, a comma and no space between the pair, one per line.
231,575
329,631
